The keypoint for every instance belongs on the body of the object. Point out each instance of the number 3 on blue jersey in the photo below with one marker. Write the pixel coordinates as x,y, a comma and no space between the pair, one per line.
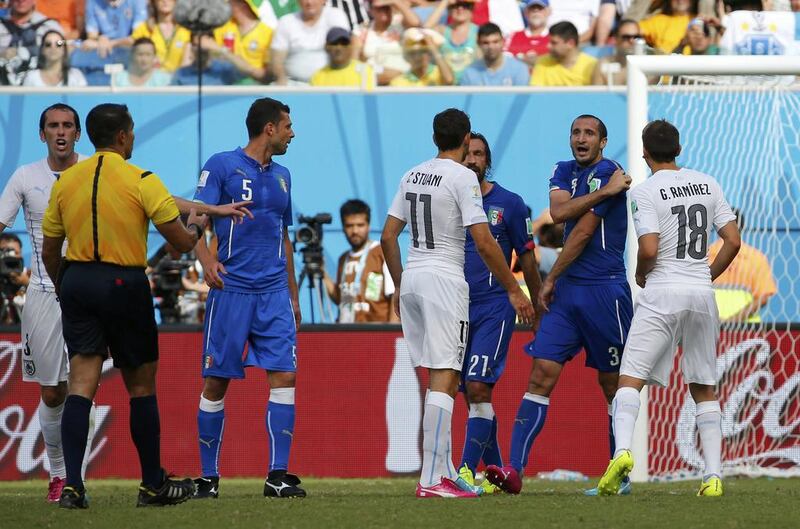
247,192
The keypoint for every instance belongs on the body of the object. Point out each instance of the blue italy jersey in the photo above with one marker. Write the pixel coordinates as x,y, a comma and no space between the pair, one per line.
511,228
252,252
603,259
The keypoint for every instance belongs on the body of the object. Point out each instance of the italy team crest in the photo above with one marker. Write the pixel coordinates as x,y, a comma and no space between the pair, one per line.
495,215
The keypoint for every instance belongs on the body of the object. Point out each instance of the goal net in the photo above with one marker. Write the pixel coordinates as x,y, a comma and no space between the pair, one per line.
741,126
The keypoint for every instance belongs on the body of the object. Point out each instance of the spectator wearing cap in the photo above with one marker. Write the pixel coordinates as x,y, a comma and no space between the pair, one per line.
495,68
109,23
378,42
298,46
666,30
419,47
342,69
565,65
243,41
460,46
698,40
581,13
21,33
143,68
70,14
169,38
613,70
531,43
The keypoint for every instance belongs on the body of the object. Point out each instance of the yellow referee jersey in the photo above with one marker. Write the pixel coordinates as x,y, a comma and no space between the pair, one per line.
103,206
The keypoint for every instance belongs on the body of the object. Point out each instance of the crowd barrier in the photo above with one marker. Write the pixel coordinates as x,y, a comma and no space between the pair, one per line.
359,409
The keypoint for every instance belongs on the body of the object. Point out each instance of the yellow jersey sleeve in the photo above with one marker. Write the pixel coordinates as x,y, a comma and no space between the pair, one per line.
141,31
158,204
52,223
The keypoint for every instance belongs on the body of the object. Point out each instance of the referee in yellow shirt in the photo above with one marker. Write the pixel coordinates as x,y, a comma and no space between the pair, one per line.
103,206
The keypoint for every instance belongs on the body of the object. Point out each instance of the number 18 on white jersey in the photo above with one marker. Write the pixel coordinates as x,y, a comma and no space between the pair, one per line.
681,206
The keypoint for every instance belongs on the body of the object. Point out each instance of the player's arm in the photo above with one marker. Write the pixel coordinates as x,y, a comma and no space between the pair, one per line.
646,257
495,261
578,238
51,257
293,293
533,280
237,210
212,268
563,207
183,238
391,254
731,242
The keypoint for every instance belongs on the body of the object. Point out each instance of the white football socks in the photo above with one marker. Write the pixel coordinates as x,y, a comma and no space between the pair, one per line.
436,458
50,422
709,426
625,409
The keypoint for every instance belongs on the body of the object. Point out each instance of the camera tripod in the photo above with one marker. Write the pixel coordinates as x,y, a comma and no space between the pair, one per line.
317,295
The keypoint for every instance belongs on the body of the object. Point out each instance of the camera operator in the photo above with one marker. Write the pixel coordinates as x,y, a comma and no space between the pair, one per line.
363,288
14,278
171,272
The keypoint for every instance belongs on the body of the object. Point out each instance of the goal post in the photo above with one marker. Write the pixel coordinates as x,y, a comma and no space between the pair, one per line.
640,67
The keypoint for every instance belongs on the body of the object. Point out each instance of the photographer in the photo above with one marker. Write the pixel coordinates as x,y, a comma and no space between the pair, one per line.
14,278
173,279
363,288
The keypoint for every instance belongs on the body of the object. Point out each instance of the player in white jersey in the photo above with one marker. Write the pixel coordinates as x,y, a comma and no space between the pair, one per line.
674,212
439,199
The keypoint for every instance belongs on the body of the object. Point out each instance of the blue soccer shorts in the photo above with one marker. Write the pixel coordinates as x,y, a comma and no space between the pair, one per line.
262,322
491,324
593,317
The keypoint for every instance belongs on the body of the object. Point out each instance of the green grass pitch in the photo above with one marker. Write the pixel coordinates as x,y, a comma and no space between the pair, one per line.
390,503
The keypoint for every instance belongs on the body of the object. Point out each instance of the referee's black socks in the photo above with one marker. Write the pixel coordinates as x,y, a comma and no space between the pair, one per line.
74,430
146,434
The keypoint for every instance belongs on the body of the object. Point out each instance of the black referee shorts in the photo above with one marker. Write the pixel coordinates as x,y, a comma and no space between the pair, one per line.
107,308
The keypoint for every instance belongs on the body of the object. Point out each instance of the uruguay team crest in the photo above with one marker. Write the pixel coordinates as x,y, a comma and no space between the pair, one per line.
495,215
283,184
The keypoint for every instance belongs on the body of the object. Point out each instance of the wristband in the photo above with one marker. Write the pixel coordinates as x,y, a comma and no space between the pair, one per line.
199,230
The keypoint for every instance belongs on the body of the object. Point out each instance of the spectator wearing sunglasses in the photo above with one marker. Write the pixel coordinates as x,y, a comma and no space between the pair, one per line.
616,66
53,67
460,47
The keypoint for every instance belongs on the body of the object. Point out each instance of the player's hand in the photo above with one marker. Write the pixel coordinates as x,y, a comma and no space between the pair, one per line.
298,318
201,219
546,294
237,211
212,274
540,310
618,182
522,305
641,280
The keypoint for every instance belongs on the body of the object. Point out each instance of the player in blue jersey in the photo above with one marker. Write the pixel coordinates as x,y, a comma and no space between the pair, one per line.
253,301
491,315
586,294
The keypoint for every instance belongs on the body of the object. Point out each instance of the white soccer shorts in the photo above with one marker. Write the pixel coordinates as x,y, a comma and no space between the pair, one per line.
44,357
664,319
434,312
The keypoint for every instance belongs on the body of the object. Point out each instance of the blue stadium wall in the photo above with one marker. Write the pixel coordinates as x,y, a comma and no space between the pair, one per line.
354,145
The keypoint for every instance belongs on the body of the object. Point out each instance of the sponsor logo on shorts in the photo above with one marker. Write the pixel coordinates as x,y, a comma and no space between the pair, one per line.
209,360
294,356
460,354
27,350
29,367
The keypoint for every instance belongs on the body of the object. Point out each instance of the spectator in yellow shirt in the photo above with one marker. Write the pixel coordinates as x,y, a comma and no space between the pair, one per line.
244,40
342,69
666,30
169,38
565,65
746,285
418,49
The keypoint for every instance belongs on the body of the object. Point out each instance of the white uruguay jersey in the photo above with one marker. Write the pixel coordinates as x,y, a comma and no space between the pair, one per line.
30,187
681,206
438,199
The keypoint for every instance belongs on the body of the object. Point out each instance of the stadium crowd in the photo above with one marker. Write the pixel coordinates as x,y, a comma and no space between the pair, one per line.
367,43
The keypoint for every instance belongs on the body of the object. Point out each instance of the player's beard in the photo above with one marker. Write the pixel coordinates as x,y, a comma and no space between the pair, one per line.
479,173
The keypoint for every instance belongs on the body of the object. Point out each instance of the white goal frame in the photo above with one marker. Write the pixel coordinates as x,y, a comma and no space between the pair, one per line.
639,68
